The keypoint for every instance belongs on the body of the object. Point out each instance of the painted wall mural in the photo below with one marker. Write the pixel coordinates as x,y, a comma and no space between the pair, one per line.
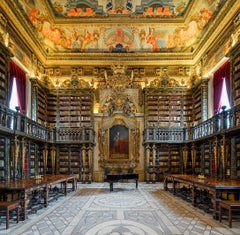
132,38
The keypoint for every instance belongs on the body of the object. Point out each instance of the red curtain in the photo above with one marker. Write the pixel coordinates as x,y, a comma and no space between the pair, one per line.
222,73
20,76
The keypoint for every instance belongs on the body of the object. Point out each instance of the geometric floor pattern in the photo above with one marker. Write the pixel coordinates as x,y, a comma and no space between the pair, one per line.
93,210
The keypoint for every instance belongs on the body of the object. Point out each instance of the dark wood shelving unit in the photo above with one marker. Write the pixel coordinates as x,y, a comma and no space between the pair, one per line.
236,75
165,108
5,56
197,105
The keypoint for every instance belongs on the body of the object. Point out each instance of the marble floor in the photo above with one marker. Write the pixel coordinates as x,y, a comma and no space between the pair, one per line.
94,210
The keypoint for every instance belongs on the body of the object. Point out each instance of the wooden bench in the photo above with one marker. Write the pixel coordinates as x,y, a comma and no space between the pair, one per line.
7,207
230,206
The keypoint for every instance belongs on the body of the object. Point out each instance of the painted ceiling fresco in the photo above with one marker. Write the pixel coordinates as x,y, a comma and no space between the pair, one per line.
145,8
70,35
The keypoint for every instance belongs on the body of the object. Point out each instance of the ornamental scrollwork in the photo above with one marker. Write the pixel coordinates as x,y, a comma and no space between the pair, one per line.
119,102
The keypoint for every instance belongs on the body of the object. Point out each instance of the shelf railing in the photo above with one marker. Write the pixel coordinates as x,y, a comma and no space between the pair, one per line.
13,122
16,123
227,120
79,134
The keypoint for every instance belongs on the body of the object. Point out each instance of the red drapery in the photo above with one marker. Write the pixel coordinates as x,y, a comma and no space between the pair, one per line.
222,73
20,76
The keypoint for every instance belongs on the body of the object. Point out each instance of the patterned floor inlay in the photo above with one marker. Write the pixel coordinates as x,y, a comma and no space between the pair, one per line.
94,210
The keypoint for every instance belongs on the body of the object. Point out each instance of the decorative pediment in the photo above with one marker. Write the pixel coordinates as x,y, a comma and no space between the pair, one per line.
75,82
119,102
118,79
164,81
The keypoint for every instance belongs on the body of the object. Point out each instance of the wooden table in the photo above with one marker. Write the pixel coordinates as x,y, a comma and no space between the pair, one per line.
118,177
213,185
25,186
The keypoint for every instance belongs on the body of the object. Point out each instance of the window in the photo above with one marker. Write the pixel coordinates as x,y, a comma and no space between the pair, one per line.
14,100
221,87
224,100
18,87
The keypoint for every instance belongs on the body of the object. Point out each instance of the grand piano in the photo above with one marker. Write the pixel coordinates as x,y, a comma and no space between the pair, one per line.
120,177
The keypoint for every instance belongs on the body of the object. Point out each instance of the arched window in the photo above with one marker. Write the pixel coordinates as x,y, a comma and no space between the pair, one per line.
14,99
17,88
224,99
221,87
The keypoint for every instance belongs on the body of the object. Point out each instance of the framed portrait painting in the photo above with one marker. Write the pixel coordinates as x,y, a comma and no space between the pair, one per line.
119,142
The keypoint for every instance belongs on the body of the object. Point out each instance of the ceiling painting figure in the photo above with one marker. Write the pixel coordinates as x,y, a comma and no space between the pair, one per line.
135,37
141,8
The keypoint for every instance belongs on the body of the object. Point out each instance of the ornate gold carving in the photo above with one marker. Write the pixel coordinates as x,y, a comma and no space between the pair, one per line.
75,82
103,143
164,81
119,102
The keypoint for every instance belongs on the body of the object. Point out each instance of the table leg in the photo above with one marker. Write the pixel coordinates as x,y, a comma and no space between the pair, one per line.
65,188
230,217
17,214
165,183
25,204
7,218
193,196
174,187
46,196
220,213
136,183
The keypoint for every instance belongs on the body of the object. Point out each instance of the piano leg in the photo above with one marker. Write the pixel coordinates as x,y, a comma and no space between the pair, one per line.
111,186
136,183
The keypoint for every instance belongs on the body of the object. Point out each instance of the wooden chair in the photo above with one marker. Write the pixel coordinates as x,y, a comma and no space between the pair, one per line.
7,207
230,206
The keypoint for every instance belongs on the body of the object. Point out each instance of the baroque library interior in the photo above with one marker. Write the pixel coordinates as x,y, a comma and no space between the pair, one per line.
107,91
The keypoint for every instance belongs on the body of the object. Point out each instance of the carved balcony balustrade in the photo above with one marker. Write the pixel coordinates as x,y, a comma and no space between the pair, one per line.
13,122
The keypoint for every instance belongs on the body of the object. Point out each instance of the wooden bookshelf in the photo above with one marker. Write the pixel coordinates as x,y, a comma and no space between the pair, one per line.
235,62
163,158
3,158
69,159
197,105
52,109
39,102
4,73
32,153
187,106
62,107
207,159
73,109
175,160
63,160
236,162
167,108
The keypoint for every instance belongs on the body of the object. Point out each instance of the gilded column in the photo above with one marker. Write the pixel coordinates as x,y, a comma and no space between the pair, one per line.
90,163
83,163
185,158
16,157
45,157
215,156
154,155
24,150
147,150
223,157
193,156
53,158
